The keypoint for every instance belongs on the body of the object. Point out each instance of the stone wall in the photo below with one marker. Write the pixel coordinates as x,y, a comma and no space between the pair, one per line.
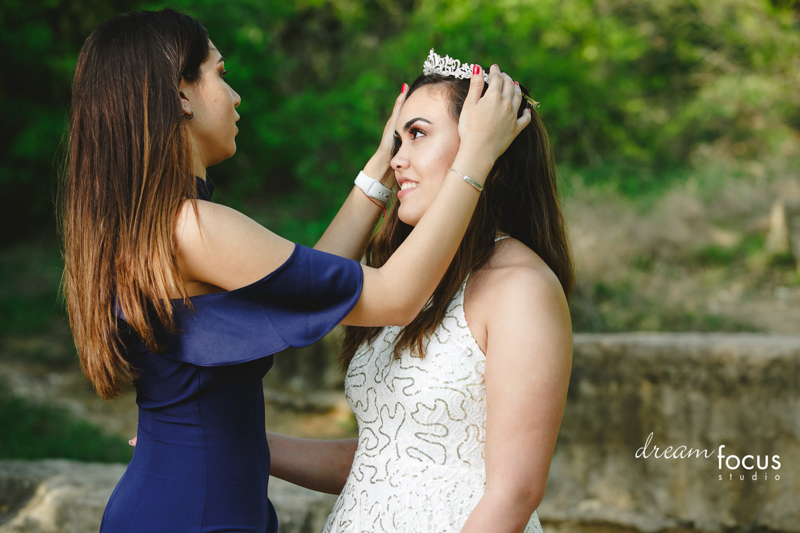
699,391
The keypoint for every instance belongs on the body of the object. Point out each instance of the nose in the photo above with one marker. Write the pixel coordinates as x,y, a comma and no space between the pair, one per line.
399,161
236,99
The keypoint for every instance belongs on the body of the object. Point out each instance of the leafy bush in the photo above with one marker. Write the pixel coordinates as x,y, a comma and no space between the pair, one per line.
32,431
630,90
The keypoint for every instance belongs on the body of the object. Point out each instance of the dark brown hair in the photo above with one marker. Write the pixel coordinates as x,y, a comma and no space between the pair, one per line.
520,198
129,165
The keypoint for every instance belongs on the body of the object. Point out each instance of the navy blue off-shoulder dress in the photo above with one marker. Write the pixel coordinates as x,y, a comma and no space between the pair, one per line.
201,463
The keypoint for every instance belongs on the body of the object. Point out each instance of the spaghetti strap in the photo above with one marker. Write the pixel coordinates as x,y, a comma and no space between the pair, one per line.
464,283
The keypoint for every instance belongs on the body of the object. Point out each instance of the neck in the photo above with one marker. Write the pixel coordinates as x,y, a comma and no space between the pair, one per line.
199,165
200,170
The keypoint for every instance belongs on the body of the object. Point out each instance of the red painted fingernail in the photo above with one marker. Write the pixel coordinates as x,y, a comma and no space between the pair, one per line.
476,69
495,65
516,83
403,88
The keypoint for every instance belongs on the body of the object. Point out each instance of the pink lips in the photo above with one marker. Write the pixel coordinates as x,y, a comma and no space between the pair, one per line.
400,181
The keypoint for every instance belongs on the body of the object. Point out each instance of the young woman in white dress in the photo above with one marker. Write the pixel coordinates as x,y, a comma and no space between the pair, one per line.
458,412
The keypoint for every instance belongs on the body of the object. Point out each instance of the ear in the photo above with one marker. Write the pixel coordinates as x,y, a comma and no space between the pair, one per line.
187,93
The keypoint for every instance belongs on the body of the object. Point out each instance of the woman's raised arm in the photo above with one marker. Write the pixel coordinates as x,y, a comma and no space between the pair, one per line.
347,235
225,248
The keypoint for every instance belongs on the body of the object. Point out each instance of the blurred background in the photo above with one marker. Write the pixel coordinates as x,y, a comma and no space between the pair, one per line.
675,124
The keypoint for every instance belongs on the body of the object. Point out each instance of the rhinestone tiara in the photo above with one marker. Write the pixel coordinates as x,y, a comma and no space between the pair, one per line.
447,66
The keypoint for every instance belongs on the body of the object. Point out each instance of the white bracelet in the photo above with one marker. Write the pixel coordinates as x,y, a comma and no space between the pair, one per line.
373,188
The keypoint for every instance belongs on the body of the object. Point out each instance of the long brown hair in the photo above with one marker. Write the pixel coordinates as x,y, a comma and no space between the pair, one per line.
129,165
520,198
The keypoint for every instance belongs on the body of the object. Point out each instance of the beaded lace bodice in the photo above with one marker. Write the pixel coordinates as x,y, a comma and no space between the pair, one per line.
419,465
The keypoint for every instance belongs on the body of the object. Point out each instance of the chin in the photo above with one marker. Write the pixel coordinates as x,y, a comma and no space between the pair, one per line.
220,158
412,219
228,154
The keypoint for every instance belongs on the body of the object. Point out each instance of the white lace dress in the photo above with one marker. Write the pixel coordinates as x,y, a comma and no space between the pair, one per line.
419,466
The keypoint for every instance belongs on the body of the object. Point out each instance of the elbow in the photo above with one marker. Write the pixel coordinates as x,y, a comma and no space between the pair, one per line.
400,308
404,319
527,499
533,502
390,306
521,501
405,312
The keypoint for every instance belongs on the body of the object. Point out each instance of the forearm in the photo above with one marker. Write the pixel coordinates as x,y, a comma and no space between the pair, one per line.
506,513
347,235
320,465
436,237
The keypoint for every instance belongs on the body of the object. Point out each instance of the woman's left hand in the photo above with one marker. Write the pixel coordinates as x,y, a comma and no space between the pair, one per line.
378,165
132,442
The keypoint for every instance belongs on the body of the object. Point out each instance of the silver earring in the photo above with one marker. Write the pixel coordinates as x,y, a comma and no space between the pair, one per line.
189,117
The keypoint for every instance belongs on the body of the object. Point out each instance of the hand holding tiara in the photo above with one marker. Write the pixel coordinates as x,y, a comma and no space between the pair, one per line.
488,124
378,165
448,66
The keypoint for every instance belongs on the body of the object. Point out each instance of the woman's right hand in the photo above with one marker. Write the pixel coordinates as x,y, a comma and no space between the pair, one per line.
378,165
489,123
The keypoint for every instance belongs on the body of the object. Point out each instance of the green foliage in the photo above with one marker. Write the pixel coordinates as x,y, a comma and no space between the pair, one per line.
784,260
715,254
622,306
41,41
633,93
30,274
33,431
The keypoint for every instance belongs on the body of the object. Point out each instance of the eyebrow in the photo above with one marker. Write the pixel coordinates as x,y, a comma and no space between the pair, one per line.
221,59
413,120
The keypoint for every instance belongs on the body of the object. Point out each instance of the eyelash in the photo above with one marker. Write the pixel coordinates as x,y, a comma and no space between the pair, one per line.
398,141
224,73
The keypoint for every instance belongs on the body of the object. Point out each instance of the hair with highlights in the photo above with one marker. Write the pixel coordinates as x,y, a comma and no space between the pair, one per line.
520,198
129,166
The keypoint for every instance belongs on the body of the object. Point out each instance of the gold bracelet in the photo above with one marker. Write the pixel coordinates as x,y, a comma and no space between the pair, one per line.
478,186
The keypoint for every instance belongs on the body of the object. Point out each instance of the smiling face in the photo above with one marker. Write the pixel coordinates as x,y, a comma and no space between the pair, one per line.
214,104
427,136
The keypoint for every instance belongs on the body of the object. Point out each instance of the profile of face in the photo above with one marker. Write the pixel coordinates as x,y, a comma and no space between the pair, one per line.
214,103
428,141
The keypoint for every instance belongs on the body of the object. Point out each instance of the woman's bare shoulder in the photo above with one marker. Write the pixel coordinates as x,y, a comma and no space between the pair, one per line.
516,283
514,270
220,246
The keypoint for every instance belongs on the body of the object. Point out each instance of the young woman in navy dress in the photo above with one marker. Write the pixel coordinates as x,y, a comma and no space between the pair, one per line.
188,299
